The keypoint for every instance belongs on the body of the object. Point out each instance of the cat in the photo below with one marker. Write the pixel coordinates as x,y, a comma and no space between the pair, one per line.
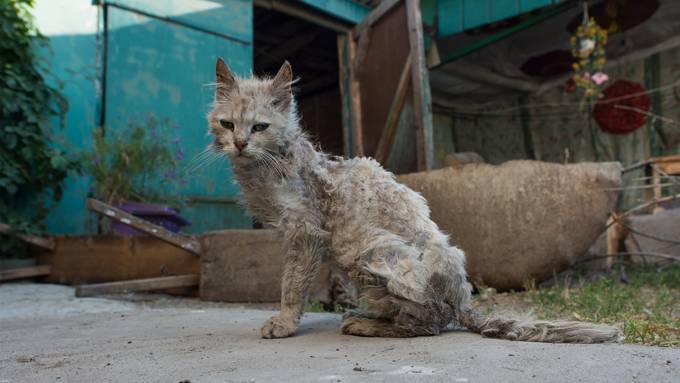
412,281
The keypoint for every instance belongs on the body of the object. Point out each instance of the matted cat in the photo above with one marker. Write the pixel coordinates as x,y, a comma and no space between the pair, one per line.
412,281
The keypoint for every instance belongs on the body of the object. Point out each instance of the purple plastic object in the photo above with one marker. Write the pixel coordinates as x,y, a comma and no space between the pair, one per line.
160,215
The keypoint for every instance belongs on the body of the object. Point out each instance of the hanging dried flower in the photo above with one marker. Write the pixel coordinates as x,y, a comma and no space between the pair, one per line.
587,47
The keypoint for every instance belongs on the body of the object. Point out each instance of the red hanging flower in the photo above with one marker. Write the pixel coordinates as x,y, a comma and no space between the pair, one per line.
623,108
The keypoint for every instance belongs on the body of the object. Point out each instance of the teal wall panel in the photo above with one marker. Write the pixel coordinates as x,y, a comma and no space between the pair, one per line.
475,13
455,16
503,9
71,60
343,9
160,68
232,18
450,17
160,61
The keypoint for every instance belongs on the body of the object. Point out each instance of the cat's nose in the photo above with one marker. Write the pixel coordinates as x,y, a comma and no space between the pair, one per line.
240,145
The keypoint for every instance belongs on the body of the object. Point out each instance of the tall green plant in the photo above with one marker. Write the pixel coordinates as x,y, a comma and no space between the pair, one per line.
32,166
137,162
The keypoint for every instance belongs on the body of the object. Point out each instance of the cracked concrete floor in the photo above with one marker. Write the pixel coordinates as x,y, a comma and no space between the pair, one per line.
180,340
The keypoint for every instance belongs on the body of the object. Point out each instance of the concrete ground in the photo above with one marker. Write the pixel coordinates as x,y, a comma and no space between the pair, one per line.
47,335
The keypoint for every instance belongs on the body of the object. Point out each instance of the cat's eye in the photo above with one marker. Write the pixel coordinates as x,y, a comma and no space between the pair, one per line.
260,127
227,124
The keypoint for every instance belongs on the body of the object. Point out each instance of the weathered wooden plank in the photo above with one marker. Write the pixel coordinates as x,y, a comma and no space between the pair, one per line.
145,226
246,266
390,128
422,100
45,243
355,92
241,266
24,272
375,15
343,81
108,258
149,284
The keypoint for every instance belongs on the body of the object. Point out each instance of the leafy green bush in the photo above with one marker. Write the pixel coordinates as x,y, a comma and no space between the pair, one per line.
32,165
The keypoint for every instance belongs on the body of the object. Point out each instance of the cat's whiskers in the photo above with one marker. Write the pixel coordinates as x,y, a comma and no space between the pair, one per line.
276,163
271,162
202,160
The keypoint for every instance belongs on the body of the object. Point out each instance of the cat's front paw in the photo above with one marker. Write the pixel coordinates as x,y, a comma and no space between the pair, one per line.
277,327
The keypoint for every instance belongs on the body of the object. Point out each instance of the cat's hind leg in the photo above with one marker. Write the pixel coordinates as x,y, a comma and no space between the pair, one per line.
389,316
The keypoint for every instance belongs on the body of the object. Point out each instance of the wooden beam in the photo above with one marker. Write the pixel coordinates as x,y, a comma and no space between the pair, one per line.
45,243
24,272
375,15
149,284
145,226
422,100
382,153
345,96
355,97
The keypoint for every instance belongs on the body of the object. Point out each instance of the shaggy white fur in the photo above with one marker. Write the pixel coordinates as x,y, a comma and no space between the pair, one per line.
412,281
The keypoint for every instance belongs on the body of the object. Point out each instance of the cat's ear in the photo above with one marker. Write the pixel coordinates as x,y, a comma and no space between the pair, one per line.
225,81
281,86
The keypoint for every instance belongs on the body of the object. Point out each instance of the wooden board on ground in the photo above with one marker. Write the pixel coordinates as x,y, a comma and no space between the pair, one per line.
24,272
149,228
96,259
138,285
44,243
241,266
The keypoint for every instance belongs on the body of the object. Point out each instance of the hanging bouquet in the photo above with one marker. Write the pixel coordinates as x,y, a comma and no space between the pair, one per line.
587,47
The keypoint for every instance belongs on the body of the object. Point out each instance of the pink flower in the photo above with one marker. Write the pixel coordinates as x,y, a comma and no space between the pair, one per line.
599,78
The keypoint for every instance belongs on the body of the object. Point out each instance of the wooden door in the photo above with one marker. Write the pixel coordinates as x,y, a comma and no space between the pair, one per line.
386,89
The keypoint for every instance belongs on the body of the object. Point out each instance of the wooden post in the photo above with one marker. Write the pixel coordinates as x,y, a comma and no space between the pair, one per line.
422,100
375,15
382,153
145,226
149,284
355,95
345,96
616,233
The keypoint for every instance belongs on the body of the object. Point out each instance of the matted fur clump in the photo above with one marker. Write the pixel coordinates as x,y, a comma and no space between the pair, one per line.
411,279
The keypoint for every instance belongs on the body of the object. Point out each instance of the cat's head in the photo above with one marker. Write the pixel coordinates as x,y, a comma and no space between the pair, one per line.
252,117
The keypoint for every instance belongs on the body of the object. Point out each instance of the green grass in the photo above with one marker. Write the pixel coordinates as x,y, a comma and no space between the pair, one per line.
646,308
316,306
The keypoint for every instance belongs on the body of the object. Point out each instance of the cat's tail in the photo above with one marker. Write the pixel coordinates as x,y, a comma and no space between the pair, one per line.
529,330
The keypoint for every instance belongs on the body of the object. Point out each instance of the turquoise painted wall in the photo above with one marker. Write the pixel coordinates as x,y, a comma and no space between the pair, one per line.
455,16
158,67
160,60
346,10
72,63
